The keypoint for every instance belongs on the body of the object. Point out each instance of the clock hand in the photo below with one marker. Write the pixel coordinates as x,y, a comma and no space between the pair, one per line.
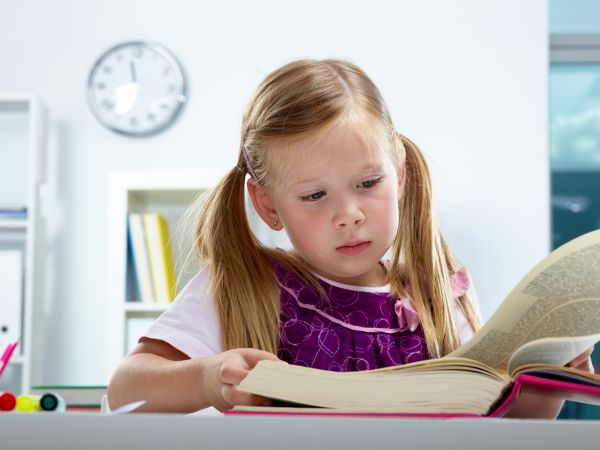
133,77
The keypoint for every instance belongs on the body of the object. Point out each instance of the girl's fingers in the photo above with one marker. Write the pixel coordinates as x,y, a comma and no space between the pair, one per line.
588,366
233,369
585,365
233,396
233,372
239,364
253,356
582,358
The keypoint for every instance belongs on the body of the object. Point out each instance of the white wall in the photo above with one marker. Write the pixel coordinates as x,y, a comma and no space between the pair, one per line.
467,80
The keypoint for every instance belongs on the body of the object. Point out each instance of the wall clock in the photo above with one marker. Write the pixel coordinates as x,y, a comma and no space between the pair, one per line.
136,88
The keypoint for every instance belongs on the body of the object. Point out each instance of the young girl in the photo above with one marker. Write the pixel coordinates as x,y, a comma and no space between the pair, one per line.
324,163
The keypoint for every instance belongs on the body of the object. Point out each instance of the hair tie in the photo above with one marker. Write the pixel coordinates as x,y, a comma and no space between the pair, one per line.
247,160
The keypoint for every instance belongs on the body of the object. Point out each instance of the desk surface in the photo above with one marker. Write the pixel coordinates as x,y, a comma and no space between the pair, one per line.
173,432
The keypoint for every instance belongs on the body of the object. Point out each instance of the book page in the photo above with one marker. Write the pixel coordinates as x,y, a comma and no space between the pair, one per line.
560,373
442,390
550,351
560,297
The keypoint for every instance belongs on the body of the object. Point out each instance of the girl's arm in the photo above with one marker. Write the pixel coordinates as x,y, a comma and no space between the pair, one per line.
169,381
531,405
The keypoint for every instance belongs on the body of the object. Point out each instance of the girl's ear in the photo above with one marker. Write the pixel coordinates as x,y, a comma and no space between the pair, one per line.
402,179
263,204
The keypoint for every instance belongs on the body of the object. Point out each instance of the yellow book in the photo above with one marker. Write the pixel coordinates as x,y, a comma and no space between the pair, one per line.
161,257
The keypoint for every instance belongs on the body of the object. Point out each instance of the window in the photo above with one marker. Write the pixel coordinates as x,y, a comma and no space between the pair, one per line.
575,151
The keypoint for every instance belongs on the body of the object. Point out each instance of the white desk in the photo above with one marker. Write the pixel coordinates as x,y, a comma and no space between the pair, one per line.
173,432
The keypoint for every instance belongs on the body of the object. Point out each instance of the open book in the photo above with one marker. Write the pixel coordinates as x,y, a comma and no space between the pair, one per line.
548,319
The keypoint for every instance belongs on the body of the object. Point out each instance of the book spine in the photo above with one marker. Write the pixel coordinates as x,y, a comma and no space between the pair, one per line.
161,259
154,256
140,258
133,264
167,258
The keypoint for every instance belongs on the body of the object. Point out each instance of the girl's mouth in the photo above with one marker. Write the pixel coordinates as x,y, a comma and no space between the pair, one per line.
354,249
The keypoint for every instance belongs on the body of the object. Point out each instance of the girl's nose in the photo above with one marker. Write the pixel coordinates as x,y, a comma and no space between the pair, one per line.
348,214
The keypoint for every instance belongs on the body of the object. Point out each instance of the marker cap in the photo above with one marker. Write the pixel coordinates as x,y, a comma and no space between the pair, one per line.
7,401
27,403
52,402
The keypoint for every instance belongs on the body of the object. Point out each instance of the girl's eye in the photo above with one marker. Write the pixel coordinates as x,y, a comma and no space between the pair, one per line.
312,197
370,183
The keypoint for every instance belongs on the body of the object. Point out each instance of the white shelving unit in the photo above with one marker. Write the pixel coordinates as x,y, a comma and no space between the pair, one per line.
23,141
169,193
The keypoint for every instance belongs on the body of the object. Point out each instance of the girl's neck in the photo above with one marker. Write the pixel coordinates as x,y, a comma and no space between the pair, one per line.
375,278
377,281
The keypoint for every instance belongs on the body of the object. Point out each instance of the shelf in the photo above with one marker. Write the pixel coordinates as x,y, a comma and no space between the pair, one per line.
13,224
142,307
18,359
24,132
172,194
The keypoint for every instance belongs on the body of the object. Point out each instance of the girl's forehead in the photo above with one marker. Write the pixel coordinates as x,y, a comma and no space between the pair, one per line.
340,145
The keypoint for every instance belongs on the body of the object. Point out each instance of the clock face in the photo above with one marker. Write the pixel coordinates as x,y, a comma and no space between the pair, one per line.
136,88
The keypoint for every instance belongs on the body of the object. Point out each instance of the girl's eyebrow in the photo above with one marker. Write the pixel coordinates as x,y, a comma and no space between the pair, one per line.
374,167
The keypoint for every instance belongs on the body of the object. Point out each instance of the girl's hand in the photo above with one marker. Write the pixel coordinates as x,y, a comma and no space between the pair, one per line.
225,371
583,361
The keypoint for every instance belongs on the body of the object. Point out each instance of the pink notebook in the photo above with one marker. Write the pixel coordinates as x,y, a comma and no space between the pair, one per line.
552,384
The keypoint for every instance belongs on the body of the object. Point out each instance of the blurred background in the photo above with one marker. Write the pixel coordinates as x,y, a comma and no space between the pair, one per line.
502,96
574,93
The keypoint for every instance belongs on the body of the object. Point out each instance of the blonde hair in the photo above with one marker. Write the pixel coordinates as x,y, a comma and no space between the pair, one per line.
300,99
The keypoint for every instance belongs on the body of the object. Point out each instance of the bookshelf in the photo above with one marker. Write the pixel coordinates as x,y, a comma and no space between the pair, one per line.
23,142
171,193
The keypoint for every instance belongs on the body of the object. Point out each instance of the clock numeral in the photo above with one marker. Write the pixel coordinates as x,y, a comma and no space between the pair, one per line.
133,121
107,104
107,69
166,71
151,117
119,57
137,52
171,88
100,86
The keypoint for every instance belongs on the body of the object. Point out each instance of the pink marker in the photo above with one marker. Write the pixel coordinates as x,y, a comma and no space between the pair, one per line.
6,354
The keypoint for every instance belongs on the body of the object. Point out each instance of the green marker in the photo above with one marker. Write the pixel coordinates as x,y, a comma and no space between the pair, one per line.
52,402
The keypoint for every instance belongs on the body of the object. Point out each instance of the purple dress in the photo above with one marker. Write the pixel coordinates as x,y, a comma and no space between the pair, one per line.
356,330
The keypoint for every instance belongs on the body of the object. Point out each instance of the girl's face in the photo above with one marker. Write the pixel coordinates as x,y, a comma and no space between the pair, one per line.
338,202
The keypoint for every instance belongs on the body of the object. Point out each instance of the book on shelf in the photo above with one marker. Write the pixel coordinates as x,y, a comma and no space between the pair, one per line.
140,262
75,397
160,256
9,211
551,316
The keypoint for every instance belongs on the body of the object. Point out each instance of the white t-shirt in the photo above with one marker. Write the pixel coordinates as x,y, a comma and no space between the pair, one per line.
191,323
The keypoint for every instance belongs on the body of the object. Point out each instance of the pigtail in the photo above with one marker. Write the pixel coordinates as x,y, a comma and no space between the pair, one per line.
242,281
421,258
